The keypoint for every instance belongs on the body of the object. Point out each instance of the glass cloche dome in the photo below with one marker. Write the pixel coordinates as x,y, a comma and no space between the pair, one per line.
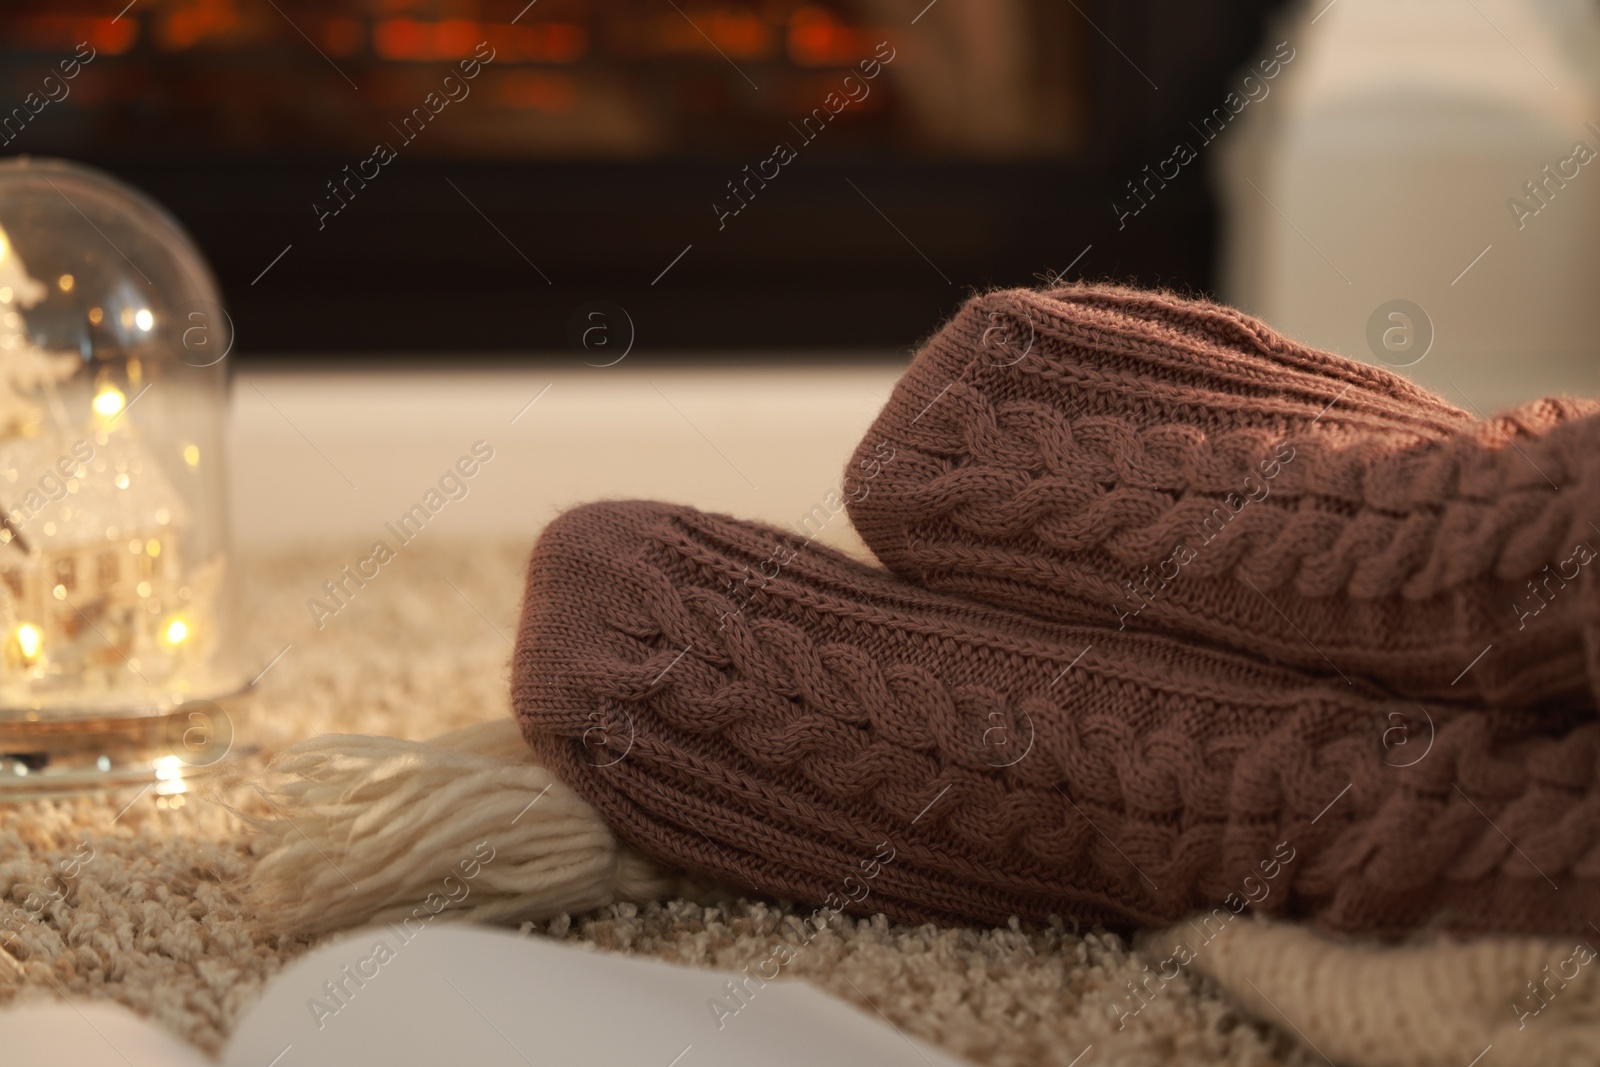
114,584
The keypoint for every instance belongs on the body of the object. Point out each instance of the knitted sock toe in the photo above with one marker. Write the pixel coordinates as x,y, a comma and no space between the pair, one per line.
787,720
1137,460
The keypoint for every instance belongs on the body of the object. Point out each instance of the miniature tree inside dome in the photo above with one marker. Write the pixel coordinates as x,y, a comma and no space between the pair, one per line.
113,541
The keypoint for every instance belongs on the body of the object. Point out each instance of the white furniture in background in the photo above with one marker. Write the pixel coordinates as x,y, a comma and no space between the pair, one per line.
1381,166
327,458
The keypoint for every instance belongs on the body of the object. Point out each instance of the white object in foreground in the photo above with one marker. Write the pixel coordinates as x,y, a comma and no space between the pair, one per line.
468,995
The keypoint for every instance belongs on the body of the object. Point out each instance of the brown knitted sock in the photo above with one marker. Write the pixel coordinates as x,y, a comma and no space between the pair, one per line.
779,716
1103,455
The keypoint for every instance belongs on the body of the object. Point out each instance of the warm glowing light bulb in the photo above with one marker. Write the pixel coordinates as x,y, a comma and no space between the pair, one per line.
143,319
66,282
109,401
177,631
191,455
29,640
5,246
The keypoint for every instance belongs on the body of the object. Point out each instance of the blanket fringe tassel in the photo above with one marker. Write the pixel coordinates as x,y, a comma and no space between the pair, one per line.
374,829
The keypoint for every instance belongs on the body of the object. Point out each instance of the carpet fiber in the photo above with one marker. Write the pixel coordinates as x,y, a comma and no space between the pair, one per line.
150,914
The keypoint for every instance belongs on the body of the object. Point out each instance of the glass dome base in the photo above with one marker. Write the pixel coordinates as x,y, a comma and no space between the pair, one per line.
54,756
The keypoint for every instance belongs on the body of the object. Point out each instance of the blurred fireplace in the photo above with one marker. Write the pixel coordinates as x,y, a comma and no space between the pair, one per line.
571,79
596,139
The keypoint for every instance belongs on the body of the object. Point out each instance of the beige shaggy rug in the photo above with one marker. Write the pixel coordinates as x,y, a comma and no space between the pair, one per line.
154,918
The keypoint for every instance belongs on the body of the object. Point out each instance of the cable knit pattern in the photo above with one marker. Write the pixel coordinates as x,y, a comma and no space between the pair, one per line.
779,716
1100,454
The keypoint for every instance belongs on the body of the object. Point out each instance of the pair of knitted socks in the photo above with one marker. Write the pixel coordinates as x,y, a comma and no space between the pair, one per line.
1183,615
